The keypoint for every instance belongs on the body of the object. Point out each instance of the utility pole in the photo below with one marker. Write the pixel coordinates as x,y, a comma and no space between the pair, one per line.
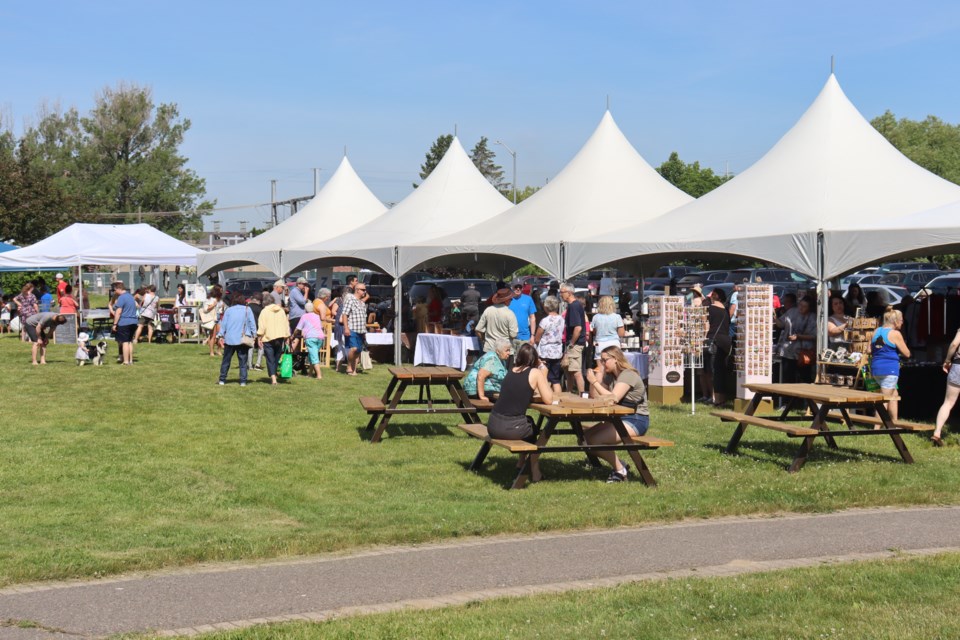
139,214
514,154
273,203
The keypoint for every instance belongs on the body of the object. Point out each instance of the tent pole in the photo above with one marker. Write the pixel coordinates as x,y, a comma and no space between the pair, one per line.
823,290
397,308
80,292
563,262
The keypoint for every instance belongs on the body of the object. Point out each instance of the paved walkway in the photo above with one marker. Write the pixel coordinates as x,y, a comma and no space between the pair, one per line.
230,596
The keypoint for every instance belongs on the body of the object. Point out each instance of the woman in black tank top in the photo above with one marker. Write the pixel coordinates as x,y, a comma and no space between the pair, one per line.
508,419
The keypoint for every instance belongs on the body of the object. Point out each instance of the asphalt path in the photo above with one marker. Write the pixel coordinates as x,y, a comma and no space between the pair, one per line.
243,594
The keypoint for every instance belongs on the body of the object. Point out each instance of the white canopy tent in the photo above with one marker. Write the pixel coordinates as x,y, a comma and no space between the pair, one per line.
101,244
343,204
81,244
606,185
832,170
932,231
454,196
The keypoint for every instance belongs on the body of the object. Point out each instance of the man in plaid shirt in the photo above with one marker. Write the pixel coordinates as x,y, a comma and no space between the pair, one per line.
354,321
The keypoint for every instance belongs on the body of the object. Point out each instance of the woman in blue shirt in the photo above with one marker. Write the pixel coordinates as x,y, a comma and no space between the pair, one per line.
886,348
237,323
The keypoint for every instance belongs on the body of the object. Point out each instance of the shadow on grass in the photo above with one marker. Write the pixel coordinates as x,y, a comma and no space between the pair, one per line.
502,469
786,451
399,428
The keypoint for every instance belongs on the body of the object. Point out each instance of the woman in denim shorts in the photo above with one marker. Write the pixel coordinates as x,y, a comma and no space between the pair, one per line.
886,348
951,366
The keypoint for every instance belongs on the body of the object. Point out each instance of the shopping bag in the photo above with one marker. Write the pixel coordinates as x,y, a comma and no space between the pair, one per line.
285,370
365,362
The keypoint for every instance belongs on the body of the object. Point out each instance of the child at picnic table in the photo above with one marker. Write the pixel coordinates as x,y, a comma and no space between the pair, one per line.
623,382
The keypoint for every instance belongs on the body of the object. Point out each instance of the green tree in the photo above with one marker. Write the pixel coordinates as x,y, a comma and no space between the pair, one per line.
132,153
437,150
689,178
931,143
32,203
123,156
483,160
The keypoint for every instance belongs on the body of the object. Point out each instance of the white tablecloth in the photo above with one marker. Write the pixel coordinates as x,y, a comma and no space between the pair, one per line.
442,350
380,338
640,362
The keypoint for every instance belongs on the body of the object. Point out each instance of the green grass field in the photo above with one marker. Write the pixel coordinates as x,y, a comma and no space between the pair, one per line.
896,599
111,469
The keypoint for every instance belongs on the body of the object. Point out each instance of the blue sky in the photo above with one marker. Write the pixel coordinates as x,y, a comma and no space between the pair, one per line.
276,88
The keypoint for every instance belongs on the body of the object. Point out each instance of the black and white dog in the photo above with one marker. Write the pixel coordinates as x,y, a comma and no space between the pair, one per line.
88,352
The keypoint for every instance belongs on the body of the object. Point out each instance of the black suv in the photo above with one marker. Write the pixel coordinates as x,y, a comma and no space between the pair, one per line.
702,278
908,266
665,275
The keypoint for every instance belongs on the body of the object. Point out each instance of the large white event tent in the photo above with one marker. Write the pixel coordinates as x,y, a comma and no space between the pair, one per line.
832,170
454,196
343,204
932,231
607,185
95,244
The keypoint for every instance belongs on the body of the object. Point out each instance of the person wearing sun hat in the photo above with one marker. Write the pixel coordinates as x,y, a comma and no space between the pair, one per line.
497,321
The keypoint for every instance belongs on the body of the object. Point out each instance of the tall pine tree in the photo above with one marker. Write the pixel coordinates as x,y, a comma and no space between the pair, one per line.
482,158
437,150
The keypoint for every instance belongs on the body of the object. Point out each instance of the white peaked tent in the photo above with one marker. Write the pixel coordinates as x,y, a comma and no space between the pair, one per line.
96,244
607,185
932,231
344,203
832,170
454,196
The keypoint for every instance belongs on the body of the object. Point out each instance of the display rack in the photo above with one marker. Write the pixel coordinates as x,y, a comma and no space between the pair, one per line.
665,325
753,350
696,323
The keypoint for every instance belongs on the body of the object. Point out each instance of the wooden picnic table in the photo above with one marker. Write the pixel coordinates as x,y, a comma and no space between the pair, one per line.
584,412
826,403
392,403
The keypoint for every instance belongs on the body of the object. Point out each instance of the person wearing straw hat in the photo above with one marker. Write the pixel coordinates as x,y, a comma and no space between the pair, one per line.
497,321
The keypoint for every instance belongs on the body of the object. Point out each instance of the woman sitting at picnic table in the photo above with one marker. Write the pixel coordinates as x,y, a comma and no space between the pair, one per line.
624,383
508,419
887,347
488,372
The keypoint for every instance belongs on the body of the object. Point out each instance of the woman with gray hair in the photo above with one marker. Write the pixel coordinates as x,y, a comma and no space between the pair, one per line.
320,304
549,341
488,371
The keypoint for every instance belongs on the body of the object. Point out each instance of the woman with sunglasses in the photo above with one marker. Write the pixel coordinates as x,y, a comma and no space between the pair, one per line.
618,379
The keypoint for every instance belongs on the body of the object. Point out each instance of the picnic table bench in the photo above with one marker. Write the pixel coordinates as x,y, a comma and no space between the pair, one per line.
825,403
581,418
392,402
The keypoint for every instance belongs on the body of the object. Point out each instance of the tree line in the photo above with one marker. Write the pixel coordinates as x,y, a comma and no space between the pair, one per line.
121,157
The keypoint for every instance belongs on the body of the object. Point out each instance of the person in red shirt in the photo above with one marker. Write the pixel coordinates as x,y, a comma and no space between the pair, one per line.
61,286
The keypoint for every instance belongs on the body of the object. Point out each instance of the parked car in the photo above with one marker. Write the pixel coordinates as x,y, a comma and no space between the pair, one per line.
846,281
700,277
945,285
380,285
907,266
248,286
453,288
912,280
893,293
667,274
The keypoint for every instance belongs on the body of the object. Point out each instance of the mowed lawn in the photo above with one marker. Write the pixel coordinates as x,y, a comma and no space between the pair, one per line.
111,469
896,600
